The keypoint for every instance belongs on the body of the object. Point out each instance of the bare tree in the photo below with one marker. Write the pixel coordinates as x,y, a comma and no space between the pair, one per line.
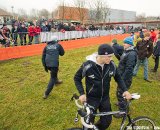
82,11
62,10
92,14
105,12
141,18
44,13
71,13
99,10
34,14
22,14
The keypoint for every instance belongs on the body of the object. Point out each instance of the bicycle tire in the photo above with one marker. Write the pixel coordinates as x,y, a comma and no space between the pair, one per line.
141,123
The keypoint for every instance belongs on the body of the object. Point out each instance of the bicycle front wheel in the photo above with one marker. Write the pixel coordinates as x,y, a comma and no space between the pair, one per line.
141,123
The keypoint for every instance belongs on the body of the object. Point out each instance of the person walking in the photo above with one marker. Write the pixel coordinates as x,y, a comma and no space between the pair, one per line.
50,61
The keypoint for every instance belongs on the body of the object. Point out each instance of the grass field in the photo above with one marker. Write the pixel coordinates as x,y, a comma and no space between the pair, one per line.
23,82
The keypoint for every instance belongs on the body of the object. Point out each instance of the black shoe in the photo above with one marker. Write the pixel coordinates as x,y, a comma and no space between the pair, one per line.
148,80
45,96
58,82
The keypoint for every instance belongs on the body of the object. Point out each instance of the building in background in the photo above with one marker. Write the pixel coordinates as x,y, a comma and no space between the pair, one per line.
116,15
66,13
4,16
112,15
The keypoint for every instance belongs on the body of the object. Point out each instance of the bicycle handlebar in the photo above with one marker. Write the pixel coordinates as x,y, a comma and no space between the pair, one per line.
135,96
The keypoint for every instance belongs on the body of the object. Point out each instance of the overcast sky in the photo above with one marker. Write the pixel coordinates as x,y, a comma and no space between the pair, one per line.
149,7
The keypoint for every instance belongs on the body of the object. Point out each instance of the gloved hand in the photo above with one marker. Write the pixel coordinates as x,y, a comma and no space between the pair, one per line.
46,69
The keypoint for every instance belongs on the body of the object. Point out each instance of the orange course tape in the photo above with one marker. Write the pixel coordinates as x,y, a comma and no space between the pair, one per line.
36,49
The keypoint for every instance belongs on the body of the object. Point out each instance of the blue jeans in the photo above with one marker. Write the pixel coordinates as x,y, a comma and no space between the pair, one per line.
144,62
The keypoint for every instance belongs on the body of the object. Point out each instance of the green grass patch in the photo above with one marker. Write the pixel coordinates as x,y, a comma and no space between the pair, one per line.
23,82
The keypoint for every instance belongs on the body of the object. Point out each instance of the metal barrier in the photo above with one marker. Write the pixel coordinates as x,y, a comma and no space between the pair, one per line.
67,35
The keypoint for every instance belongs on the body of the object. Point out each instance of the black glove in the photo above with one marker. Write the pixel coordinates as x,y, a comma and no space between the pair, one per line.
46,69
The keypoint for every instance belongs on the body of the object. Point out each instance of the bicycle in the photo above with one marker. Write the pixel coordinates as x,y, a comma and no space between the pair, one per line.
138,123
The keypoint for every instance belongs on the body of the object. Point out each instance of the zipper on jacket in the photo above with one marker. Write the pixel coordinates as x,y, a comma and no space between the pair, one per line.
106,72
99,72
90,89
102,81
102,85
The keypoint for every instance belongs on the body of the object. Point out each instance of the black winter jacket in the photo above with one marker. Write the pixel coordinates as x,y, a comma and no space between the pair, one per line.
156,51
50,56
97,81
22,30
127,63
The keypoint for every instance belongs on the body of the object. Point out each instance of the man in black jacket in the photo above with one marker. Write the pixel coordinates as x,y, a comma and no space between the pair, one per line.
126,66
98,70
50,61
22,31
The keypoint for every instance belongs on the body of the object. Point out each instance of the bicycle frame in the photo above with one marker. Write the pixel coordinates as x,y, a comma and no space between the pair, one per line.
125,117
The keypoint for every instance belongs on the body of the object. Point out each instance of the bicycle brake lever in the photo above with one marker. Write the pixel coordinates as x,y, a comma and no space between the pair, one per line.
76,118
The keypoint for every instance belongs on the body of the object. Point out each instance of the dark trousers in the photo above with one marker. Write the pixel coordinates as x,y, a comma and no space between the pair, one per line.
121,101
53,79
3,41
103,106
30,39
22,39
15,36
156,63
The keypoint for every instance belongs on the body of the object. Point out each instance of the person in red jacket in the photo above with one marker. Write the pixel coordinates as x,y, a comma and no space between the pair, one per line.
31,33
153,36
37,31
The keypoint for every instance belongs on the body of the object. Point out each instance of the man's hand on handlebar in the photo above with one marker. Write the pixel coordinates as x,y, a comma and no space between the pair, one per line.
127,95
82,98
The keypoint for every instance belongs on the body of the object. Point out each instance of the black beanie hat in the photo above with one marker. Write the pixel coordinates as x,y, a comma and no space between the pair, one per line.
105,49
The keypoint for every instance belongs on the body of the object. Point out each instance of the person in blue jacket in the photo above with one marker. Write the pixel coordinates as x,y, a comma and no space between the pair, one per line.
126,66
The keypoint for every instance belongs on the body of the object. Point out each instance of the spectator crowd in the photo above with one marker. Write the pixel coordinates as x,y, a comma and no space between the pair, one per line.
27,33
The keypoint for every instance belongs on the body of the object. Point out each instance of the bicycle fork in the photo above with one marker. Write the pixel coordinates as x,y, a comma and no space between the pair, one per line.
88,121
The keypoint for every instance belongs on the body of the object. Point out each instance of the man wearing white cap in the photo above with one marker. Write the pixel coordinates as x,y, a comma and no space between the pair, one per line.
50,61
